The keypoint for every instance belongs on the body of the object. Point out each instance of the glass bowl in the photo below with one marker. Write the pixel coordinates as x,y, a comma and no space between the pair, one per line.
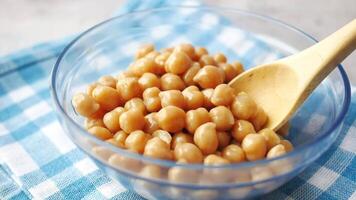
108,48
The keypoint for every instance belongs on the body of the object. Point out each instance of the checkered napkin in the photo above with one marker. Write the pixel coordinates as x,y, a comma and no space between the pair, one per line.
37,160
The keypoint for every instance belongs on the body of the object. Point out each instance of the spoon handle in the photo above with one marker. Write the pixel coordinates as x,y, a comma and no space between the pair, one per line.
316,62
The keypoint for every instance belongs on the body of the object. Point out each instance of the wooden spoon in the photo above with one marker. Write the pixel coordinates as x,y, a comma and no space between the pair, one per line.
282,86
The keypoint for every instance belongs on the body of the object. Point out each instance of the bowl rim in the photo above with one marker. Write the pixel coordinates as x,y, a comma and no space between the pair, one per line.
61,113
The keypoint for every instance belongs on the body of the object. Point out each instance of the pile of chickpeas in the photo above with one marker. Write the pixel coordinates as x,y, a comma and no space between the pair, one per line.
175,104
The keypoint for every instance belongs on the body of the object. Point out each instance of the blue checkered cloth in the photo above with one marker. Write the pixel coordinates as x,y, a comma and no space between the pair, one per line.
37,160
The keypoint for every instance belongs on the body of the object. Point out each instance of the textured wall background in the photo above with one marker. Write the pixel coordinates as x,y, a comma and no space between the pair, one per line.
27,22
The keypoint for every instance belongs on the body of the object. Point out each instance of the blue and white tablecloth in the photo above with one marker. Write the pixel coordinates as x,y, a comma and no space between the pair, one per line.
38,161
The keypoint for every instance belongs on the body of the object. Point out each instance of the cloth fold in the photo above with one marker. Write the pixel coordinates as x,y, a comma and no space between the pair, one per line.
37,160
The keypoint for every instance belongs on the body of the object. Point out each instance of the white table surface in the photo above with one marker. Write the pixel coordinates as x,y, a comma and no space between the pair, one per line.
27,22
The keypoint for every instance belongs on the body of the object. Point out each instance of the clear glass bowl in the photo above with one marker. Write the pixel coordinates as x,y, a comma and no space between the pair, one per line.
109,47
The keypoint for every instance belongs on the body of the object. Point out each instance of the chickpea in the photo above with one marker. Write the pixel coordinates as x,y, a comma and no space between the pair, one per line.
260,119
254,146
206,60
129,88
102,152
143,65
126,74
243,107
238,67
222,117
195,118
157,148
178,62
188,76
193,98
182,175
151,99
90,88
136,141
209,77
115,143
132,120
152,55
188,152
287,145
242,128
208,93
276,151
171,81
181,138
171,119
136,104
100,132
234,153
111,120
229,70
188,49
167,49
88,123
172,98
151,171
148,80
223,95
125,163
215,160
151,124
220,58
270,136
144,50
206,139
163,135
199,52
107,81
120,138
283,131
223,138
84,105
259,174
160,61
107,97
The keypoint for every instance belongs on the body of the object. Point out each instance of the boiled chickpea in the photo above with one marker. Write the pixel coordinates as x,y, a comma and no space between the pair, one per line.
242,128
243,107
171,119
208,93
187,49
238,67
193,98
163,135
151,171
223,95
215,160
209,77
260,119
148,80
115,143
136,104
151,99
90,88
172,98
182,175
107,97
160,60
188,152
136,141
206,139
132,120
157,148
199,52
120,138
129,88
195,118
229,70
143,65
223,138
88,123
100,132
107,81
102,152
171,81
111,120
220,58
151,124
206,60
178,62
126,74
287,145
276,151
254,146
222,117
188,76
270,136
181,138
259,174
144,50
84,104
234,153
152,55
125,163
